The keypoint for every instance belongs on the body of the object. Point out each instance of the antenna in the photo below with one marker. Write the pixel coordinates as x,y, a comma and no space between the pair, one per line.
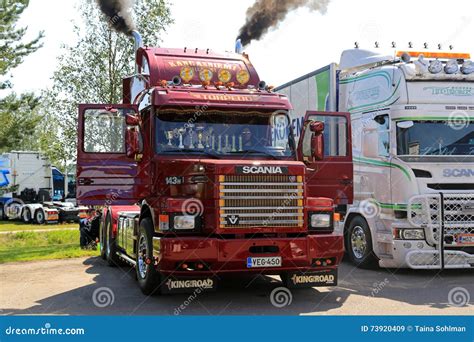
376,45
356,44
394,45
439,47
425,45
451,47
410,45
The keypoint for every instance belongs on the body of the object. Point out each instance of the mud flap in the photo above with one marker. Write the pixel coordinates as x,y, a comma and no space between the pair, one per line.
296,280
196,285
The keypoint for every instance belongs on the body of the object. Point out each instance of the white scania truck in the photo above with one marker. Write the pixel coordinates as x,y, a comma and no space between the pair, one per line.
412,118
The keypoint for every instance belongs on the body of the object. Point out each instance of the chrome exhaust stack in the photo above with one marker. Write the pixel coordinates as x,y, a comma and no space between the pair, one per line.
137,37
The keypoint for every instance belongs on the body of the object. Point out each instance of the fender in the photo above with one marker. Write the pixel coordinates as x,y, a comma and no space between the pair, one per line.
114,212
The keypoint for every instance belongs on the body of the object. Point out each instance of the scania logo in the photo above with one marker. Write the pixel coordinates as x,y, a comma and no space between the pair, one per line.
261,169
458,172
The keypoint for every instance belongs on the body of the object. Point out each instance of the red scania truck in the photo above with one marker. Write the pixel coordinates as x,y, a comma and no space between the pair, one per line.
198,174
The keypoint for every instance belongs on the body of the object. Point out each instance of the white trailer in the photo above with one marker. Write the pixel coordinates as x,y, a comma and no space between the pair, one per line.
28,178
413,146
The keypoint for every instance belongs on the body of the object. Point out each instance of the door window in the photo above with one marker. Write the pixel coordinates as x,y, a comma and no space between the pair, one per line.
383,129
104,131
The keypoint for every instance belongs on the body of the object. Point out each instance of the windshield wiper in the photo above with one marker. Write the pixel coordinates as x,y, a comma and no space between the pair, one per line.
250,151
192,150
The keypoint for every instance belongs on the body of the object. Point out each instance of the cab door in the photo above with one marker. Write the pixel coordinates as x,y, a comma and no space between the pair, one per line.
106,175
332,175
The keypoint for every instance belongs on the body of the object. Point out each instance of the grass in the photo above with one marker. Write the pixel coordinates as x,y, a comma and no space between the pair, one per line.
7,226
27,246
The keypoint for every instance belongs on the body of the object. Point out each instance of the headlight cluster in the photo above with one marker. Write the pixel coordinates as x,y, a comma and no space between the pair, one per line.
321,221
179,223
184,222
409,234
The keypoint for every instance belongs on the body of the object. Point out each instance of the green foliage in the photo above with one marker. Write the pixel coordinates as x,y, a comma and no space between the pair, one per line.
91,71
12,49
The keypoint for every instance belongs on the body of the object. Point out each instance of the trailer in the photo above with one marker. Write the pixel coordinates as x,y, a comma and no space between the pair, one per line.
198,175
413,141
28,184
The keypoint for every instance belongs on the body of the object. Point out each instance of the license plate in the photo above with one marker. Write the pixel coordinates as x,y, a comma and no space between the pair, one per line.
253,262
465,239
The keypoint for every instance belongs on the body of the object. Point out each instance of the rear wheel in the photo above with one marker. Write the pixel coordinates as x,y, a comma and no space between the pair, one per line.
111,246
2,213
148,277
359,244
103,241
26,215
39,217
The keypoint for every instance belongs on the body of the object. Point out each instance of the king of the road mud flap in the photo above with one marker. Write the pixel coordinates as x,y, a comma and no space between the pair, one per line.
171,285
297,280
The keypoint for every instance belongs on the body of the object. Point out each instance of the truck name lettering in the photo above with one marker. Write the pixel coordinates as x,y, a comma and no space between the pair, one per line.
192,283
223,97
458,172
450,91
262,169
304,279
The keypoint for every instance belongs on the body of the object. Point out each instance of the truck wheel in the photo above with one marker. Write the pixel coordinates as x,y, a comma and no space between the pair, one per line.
103,241
359,244
148,277
26,215
39,217
111,246
2,213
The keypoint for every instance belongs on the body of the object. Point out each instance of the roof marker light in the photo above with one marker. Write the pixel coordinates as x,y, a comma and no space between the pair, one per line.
467,67
451,66
435,66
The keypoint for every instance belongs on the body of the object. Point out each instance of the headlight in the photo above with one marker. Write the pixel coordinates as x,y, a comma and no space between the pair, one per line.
413,234
321,220
184,222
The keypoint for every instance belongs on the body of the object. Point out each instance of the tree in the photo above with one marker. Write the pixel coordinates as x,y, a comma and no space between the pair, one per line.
12,50
91,71
18,116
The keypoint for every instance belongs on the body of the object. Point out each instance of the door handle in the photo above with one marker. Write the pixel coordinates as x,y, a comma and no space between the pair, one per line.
85,181
346,181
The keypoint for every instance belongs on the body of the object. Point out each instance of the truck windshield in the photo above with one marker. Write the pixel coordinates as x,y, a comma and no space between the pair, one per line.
433,138
224,133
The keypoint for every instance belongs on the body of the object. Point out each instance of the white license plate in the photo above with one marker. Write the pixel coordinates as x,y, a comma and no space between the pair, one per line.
253,262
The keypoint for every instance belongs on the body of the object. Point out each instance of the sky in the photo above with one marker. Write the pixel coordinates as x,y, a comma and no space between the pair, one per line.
303,42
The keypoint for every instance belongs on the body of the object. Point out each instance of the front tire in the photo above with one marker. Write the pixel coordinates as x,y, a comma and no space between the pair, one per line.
40,217
148,277
359,244
103,241
2,213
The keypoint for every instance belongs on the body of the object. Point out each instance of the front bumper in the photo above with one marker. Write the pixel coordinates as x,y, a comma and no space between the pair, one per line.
417,254
230,255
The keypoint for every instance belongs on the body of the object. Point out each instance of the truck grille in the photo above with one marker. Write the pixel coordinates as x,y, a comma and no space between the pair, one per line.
457,216
260,201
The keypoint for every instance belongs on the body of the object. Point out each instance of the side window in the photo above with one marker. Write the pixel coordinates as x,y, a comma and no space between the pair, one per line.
104,131
383,130
335,136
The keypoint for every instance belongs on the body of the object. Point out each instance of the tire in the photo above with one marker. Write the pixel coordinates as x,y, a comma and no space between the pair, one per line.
148,277
359,244
103,241
111,246
40,217
3,217
26,215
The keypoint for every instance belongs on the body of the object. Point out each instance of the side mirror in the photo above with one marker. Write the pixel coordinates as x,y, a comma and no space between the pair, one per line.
317,140
317,146
132,141
132,120
370,143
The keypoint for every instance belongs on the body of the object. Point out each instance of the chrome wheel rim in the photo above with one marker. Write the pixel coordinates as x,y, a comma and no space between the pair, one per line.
142,253
358,242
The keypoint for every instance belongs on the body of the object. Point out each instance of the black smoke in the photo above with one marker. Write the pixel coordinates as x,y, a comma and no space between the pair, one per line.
264,15
118,14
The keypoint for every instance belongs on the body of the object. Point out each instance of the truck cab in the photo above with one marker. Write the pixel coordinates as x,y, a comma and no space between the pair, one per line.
197,175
